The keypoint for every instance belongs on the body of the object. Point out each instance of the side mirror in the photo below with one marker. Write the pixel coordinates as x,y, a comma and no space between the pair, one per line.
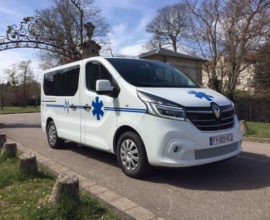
104,87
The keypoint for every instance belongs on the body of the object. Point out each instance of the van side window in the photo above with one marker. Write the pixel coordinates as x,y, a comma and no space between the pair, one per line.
62,83
49,83
94,72
67,82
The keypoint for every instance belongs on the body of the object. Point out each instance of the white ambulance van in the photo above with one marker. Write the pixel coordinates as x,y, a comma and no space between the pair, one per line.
146,112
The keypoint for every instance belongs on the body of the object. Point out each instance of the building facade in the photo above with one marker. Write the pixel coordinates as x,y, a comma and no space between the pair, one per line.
191,66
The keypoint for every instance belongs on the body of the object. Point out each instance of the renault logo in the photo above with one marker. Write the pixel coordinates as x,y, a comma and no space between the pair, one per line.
216,110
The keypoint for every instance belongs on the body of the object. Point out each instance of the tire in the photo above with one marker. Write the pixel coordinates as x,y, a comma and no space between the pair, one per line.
52,136
131,155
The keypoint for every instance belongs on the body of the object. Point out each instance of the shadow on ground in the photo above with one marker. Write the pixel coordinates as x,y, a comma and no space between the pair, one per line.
244,172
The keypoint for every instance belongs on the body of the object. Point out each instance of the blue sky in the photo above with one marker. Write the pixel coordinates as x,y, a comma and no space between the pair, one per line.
127,19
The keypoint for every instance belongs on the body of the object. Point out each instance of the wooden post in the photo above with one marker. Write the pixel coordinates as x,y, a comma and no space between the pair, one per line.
65,187
28,164
3,139
9,149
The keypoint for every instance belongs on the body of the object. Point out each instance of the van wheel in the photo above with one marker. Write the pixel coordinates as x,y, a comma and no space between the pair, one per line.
52,136
131,155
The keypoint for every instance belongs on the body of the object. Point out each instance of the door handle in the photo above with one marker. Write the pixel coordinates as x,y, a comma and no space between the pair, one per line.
73,107
87,107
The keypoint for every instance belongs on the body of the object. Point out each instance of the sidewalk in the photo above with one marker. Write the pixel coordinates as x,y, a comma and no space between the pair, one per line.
124,207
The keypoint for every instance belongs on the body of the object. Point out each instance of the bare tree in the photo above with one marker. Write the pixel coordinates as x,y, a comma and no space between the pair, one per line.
168,26
64,23
107,49
12,75
225,33
205,33
25,76
246,25
155,42
12,82
2,94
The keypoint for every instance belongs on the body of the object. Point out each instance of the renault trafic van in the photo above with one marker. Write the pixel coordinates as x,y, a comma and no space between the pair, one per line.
146,112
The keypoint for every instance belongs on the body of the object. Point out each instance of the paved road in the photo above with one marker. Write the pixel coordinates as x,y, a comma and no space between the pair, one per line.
234,189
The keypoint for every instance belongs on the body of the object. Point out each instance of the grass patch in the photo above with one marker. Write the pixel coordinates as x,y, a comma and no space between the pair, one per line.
258,129
14,110
19,196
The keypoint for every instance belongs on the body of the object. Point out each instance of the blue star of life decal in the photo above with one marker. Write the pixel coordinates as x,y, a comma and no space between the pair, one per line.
97,108
66,106
201,95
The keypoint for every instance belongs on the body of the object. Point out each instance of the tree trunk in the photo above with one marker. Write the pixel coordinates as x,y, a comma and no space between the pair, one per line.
66,187
2,96
174,45
9,149
24,91
28,164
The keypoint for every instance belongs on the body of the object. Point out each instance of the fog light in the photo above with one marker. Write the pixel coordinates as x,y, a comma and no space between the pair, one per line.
175,149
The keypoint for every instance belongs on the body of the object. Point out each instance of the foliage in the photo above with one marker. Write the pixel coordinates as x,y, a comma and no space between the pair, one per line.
258,129
19,197
261,81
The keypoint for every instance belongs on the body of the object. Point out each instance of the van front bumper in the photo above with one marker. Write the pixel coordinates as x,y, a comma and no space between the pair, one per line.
172,143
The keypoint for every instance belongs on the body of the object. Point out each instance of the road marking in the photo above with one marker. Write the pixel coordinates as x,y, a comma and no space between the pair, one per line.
253,158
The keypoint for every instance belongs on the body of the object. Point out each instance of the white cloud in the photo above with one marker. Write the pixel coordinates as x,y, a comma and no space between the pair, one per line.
110,7
132,50
9,57
116,36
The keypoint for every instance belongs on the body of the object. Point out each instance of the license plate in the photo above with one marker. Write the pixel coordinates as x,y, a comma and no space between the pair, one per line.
221,139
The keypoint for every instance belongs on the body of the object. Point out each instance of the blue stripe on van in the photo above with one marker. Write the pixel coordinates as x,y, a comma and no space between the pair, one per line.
112,109
136,110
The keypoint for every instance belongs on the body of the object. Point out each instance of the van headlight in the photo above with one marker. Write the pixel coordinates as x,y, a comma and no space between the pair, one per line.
160,107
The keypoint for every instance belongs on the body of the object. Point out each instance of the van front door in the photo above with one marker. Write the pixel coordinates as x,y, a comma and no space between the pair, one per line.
98,124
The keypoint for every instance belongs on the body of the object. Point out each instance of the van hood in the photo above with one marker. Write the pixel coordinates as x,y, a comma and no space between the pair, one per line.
189,97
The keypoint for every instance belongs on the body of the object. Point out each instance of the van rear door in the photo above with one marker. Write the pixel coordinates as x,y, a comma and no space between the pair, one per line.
67,118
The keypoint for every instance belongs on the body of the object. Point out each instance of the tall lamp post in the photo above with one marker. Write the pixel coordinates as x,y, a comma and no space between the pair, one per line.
89,47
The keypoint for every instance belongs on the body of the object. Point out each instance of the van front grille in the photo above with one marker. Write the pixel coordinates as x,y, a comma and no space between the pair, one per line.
215,151
204,118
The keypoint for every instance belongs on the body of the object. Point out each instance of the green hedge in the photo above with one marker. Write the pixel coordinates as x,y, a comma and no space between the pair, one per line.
253,108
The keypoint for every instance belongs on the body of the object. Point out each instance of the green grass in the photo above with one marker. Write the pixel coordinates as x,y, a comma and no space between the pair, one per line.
14,110
258,129
19,197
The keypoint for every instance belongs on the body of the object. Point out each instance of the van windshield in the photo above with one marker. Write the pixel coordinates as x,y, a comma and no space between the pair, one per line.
146,73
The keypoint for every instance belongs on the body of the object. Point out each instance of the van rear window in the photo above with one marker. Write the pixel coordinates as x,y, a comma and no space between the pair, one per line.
62,82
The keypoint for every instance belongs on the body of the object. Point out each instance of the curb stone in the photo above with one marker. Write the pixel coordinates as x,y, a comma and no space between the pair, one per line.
257,140
122,206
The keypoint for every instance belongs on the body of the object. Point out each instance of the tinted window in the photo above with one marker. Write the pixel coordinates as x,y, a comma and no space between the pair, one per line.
144,73
94,72
62,83
49,83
